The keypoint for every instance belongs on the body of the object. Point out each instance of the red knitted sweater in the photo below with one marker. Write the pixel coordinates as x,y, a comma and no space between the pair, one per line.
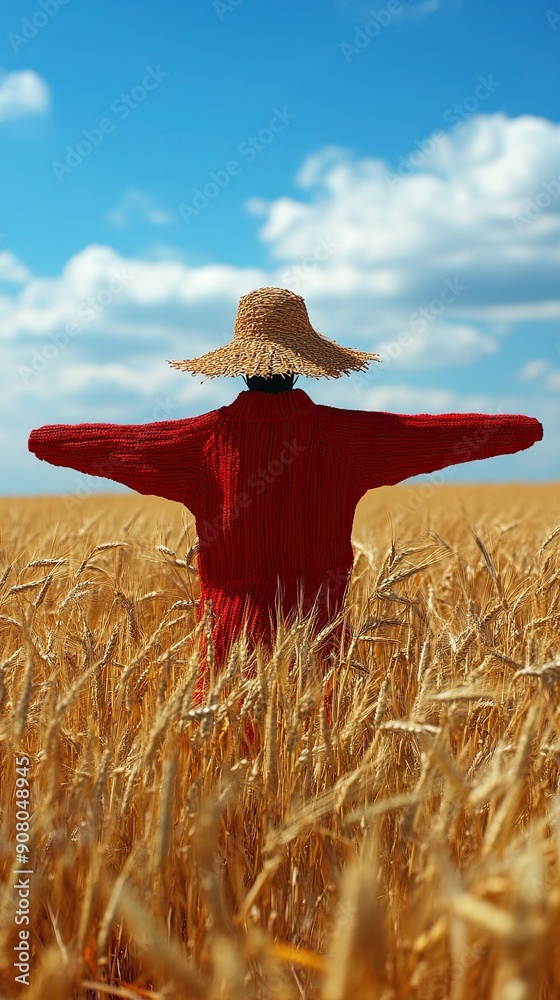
273,481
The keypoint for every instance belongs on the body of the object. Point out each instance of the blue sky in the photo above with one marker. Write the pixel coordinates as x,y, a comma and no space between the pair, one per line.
397,163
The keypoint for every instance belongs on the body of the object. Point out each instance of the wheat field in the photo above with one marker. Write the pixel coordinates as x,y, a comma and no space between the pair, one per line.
407,847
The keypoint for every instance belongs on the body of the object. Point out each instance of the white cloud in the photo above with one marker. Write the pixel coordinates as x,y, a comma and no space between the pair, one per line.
98,290
436,257
23,92
419,10
137,206
100,293
541,372
533,369
516,312
439,346
11,269
402,398
78,378
455,216
552,380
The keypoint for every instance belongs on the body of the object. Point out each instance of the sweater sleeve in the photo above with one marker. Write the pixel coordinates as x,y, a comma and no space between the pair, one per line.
161,459
385,448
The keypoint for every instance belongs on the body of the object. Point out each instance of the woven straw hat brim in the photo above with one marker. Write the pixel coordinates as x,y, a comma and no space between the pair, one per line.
314,356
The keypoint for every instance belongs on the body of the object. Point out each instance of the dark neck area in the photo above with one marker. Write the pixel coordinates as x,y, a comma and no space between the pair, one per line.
272,383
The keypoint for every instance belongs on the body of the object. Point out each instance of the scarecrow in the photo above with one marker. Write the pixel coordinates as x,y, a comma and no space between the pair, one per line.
273,479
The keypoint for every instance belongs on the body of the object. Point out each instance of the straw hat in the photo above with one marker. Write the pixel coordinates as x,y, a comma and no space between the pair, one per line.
273,336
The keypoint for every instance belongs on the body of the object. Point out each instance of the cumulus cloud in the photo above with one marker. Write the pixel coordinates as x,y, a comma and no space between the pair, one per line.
541,373
137,206
534,368
422,9
402,398
484,207
437,257
98,290
431,272
440,346
552,380
11,269
103,302
23,92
